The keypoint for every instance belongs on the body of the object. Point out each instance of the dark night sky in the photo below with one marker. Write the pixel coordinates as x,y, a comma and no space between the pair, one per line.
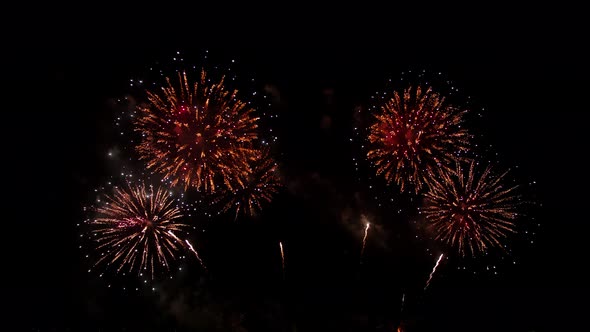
527,68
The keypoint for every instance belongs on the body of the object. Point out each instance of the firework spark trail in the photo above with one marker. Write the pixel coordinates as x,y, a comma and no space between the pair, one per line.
190,246
282,257
368,224
433,270
175,237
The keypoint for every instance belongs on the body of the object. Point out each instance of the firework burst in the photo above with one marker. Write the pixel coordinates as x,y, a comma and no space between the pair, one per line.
469,211
197,134
137,228
413,134
262,184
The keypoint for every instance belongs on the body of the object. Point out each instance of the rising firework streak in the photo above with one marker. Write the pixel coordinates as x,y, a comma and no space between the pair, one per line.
368,224
282,257
433,270
403,301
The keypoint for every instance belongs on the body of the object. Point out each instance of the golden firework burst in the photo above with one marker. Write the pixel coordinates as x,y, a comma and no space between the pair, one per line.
471,211
136,228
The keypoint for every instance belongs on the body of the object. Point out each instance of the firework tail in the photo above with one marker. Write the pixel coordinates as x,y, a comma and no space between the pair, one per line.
282,258
364,241
433,270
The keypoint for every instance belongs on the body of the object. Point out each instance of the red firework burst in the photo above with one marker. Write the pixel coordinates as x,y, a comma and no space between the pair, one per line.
197,134
413,134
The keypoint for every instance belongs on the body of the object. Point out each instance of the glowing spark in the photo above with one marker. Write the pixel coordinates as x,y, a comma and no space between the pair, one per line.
190,247
433,270
413,134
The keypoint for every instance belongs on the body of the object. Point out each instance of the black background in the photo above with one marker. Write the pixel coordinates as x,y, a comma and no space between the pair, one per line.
525,65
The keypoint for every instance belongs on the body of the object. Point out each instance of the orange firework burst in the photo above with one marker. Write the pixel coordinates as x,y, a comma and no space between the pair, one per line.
471,212
197,134
135,229
261,185
413,134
